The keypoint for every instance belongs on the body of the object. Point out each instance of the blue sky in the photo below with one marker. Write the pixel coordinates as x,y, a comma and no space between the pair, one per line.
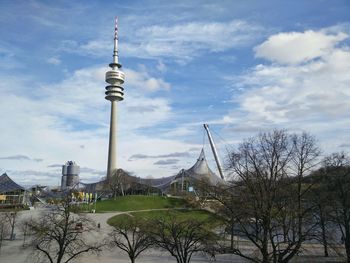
241,66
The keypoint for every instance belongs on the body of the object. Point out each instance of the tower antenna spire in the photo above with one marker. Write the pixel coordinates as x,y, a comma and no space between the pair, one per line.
115,51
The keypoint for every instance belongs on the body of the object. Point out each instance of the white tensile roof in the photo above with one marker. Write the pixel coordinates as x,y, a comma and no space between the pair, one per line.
201,171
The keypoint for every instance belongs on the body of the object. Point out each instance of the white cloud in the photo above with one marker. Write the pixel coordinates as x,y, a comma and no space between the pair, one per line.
187,40
161,66
54,61
312,96
142,80
314,89
298,47
180,131
94,47
181,41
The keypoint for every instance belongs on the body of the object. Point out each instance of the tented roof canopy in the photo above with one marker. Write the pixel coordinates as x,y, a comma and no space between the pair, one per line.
200,170
8,185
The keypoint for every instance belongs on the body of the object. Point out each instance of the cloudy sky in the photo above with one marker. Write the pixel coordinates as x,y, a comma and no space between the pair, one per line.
241,66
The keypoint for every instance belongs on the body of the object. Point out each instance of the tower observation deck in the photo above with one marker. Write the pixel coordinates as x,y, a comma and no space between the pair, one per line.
114,93
115,77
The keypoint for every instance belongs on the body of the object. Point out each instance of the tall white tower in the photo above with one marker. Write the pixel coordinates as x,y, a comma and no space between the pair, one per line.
114,93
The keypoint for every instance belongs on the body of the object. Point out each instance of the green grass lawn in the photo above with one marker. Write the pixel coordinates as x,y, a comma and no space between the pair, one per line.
139,202
199,215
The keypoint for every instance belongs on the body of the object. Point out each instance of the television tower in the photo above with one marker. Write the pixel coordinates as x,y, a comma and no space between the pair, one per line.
114,93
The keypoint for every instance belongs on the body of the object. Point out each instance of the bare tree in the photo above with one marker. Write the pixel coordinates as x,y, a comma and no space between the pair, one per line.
25,230
305,154
4,228
117,181
321,201
11,218
227,206
60,236
260,164
130,236
264,202
182,238
337,171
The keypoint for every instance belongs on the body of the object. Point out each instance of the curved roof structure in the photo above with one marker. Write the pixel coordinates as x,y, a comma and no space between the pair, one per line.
160,183
200,171
7,185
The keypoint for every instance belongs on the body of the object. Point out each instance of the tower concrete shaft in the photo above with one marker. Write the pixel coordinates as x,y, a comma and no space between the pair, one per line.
114,93
112,149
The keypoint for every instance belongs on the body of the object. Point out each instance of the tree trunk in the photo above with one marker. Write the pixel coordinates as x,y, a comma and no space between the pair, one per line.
300,213
24,235
346,221
122,189
347,254
324,237
347,244
232,233
265,252
13,226
1,234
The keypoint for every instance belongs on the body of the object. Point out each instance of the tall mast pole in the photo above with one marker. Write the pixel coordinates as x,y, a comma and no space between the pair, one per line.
213,148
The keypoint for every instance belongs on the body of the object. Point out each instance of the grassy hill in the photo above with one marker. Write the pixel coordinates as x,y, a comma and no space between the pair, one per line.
199,215
139,202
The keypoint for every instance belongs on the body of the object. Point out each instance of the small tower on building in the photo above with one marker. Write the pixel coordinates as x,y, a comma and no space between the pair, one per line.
114,93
